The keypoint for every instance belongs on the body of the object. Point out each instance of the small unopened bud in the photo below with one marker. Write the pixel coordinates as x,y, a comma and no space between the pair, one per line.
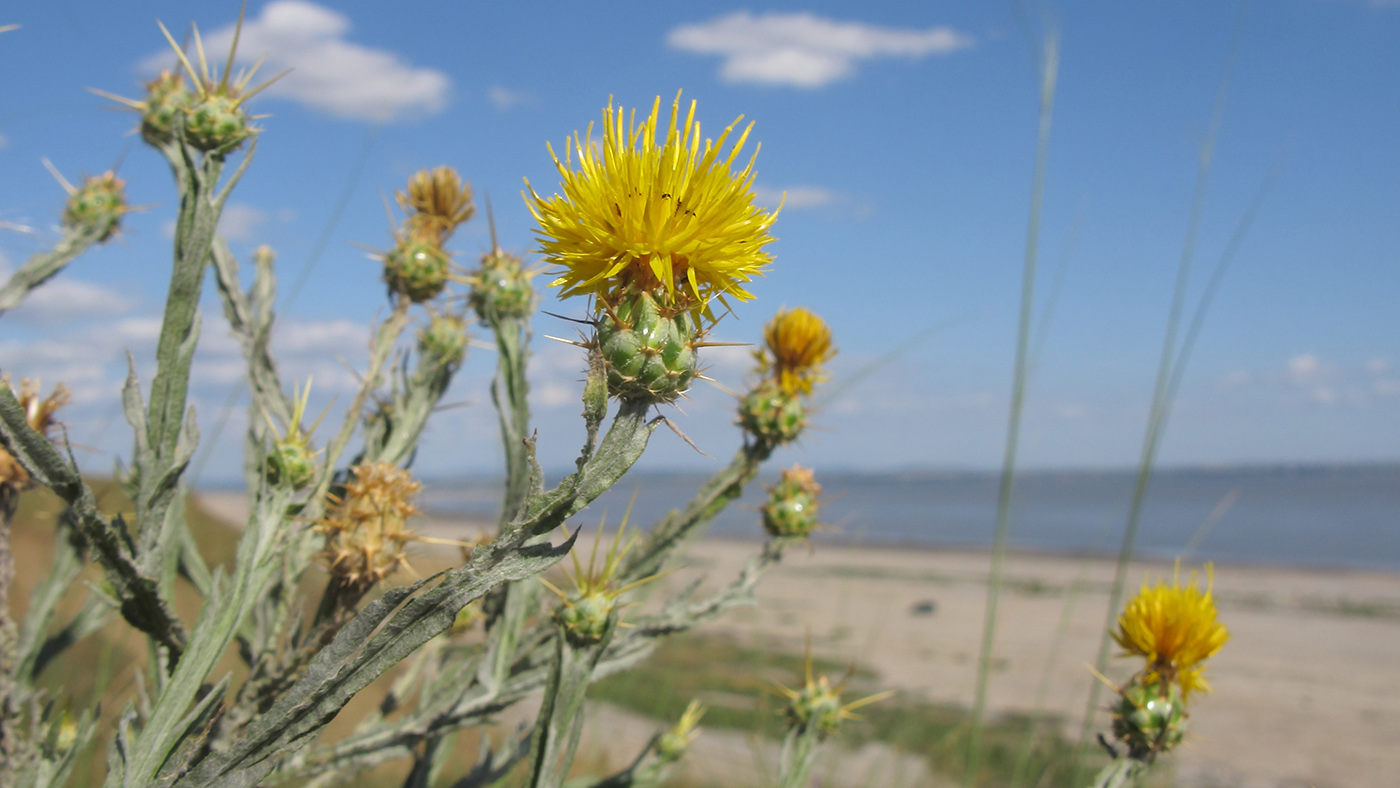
166,97
772,415
671,745
97,206
791,510
291,462
1149,717
817,706
417,268
585,617
501,287
444,339
216,122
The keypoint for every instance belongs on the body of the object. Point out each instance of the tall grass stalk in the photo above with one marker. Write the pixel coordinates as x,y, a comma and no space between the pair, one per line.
1168,374
1048,68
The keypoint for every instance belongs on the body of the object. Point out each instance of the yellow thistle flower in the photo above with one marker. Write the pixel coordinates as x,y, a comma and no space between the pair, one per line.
799,343
365,529
669,218
1174,629
39,413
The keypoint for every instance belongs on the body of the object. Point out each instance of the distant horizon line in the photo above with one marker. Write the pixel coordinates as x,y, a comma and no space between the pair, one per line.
1392,465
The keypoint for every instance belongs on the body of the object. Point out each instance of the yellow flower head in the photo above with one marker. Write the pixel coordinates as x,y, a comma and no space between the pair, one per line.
672,218
1174,629
799,343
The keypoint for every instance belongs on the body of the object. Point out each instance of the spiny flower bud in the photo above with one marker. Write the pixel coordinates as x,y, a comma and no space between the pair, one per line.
589,610
215,121
365,528
292,461
585,617
166,97
671,745
445,339
501,287
437,201
416,267
649,349
817,706
1149,717
97,206
772,415
39,413
791,510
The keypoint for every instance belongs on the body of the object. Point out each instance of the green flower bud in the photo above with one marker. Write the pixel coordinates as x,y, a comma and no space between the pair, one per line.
650,353
772,415
671,745
815,705
216,122
97,206
791,510
291,462
445,338
166,97
1149,717
417,269
501,287
585,618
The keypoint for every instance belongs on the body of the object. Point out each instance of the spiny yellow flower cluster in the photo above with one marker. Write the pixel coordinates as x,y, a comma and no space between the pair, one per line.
365,529
671,218
798,343
1175,629
39,412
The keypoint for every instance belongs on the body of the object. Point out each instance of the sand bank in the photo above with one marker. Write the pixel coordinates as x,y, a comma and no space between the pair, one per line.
1307,692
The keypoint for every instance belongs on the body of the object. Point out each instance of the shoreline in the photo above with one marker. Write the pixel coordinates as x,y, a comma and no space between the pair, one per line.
1304,693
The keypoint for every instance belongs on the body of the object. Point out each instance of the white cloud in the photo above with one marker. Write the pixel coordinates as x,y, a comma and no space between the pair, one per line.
1304,368
239,221
329,73
4,142
62,299
804,50
505,99
794,198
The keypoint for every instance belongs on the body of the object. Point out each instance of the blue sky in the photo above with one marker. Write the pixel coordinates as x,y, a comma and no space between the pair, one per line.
903,135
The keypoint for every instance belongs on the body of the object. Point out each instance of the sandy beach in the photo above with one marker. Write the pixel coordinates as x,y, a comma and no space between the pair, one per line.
1305,693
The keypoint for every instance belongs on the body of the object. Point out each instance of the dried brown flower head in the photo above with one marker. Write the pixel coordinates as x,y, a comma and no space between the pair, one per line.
365,529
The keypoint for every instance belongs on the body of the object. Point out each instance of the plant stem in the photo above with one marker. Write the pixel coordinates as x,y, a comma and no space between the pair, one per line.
1049,66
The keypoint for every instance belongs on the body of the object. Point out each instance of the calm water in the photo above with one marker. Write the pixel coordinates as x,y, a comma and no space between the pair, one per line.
1346,516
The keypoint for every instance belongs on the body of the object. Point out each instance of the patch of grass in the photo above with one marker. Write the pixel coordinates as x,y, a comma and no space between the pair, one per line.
1354,608
734,680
